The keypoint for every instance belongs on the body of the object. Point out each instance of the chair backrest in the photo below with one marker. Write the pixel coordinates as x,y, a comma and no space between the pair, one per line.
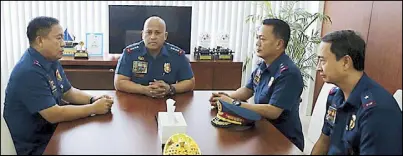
316,122
7,145
398,97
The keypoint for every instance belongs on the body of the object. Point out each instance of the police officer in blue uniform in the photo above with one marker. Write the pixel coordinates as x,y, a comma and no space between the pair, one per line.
362,117
276,84
37,85
153,67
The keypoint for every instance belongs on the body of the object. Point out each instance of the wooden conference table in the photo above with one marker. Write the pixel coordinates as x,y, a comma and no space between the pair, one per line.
131,128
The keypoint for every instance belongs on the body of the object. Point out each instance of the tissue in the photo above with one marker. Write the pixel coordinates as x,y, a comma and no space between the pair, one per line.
170,122
170,110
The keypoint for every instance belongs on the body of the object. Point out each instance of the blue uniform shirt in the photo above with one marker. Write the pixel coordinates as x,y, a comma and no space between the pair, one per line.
171,65
281,85
35,84
368,122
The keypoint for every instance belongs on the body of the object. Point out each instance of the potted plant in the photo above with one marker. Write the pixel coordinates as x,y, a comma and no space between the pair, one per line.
302,43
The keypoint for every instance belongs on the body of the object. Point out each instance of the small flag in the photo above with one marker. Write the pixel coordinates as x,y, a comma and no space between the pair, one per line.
67,36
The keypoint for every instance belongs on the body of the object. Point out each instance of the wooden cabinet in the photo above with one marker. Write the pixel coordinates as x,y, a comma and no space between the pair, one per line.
97,73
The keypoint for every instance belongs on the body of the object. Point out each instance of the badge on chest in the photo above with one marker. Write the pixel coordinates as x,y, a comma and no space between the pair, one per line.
351,124
256,79
58,76
140,67
167,68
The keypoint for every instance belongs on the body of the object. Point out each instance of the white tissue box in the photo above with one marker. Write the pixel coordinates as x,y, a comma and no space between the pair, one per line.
167,129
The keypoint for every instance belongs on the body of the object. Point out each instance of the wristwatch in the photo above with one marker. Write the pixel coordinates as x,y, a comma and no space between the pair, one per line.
237,102
171,90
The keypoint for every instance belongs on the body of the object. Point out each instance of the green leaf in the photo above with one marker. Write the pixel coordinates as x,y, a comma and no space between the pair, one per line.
302,44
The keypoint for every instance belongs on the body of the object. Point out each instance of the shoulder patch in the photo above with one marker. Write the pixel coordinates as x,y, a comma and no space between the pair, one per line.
283,67
333,90
367,100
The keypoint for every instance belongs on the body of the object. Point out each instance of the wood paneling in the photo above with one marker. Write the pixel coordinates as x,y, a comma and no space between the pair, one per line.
353,15
227,78
97,73
95,79
203,77
380,24
383,58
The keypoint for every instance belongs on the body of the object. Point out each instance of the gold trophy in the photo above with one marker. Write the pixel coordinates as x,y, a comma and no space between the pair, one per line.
81,52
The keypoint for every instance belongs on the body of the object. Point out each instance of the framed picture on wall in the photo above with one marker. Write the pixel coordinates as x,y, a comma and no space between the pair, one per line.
94,44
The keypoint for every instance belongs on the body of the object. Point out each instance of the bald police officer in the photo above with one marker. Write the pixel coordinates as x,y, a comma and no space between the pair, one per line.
37,85
153,67
362,117
276,84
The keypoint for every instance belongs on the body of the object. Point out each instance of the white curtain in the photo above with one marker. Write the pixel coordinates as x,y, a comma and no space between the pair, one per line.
81,17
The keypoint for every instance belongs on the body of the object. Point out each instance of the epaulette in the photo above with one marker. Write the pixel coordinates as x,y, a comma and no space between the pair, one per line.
133,47
367,100
175,49
283,68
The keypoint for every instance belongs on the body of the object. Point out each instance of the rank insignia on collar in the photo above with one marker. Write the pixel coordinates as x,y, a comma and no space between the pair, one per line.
36,62
283,68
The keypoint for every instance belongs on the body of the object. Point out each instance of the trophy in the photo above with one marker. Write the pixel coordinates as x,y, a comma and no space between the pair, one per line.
222,52
70,44
81,52
203,52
